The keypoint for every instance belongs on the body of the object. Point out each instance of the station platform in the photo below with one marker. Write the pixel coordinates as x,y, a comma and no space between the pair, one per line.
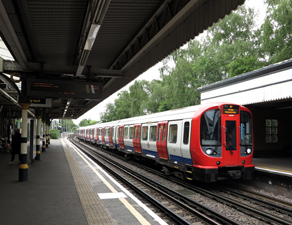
278,165
66,187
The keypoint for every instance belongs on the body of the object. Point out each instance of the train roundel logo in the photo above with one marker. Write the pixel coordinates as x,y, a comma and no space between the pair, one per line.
148,145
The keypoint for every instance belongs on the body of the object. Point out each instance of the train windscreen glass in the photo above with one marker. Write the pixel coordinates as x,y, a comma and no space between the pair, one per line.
210,131
245,128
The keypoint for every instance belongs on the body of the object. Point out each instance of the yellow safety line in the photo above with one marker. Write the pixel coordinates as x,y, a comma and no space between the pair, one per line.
139,217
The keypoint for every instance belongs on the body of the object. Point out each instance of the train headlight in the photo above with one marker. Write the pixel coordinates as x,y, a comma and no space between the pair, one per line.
209,151
248,151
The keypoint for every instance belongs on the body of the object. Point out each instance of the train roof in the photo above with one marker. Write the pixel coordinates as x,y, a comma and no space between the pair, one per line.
175,114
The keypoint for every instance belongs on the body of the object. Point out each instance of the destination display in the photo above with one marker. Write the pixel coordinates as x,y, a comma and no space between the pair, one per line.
230,109
41,102
63,89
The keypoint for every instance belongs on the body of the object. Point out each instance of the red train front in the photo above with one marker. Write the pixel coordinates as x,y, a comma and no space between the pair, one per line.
224,144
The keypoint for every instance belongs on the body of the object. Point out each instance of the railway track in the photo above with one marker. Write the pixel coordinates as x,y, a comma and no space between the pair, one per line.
177,207
220,194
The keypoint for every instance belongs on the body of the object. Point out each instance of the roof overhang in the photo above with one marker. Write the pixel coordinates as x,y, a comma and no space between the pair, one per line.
109,42
268,84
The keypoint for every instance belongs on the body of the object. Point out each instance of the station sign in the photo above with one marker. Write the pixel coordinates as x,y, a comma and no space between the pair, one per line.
63,89
230,109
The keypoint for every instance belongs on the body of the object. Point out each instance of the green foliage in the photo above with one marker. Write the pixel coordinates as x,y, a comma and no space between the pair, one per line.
87,122
54,134
277,31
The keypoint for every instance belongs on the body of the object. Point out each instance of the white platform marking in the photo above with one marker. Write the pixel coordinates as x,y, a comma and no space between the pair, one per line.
111,195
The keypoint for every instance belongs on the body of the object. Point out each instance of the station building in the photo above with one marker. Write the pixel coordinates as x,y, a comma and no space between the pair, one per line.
267,92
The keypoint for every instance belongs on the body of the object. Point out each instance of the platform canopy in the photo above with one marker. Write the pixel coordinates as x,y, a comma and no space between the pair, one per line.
106,42
268,87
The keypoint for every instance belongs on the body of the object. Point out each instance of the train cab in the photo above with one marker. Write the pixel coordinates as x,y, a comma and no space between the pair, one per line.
225,141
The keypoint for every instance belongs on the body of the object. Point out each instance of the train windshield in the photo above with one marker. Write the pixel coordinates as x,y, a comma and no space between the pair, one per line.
210,131
245,128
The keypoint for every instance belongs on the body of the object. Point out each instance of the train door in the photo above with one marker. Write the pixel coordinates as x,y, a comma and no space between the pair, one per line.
144,139
174,140
161,140
185,143
97,140
137,137
110,137
231,129
121,137
92,135
102,135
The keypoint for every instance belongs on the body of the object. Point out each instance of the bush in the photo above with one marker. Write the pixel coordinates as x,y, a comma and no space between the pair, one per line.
54,134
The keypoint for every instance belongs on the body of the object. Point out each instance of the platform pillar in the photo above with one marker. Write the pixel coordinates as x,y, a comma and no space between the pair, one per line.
47,134
44,136
38,140
23,167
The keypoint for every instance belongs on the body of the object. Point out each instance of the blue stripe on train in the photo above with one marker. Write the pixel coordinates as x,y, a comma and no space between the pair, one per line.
129,148
150,153
181,159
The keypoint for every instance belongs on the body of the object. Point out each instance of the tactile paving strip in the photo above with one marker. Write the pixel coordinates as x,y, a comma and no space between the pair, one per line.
92,206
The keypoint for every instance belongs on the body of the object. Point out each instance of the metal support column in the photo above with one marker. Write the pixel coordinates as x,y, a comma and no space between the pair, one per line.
23,167
38,140
44,136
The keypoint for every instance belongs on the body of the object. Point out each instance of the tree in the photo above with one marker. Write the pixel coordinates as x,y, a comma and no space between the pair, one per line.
66,125
109,114
139,93
123,105
233,45
87,122
277,31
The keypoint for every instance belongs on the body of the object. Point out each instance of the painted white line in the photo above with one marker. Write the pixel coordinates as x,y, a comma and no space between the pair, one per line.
276,171
111,195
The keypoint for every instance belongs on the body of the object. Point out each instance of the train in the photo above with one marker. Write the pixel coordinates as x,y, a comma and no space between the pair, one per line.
206,143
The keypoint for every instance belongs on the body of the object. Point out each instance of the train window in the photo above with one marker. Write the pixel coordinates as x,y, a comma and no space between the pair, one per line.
245,128
210,128
120,132
145,133
163,138
106,132
138,132
126,132
172,133
186,133
131,132
153,132
231,135
159,134
135,133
